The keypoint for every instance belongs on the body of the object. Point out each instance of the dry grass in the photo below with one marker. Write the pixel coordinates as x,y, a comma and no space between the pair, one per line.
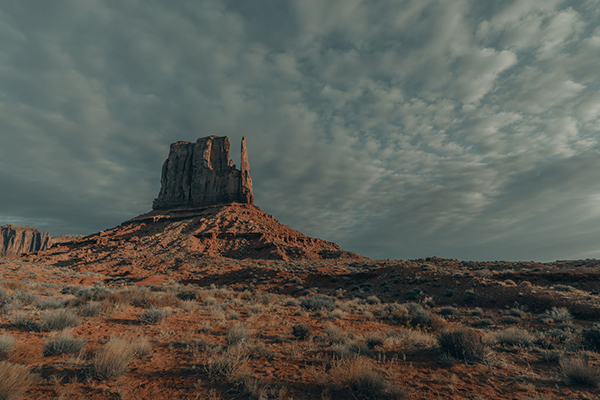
15,380
7,343
227,365
57,320
111,360
462,344
65,343
578,371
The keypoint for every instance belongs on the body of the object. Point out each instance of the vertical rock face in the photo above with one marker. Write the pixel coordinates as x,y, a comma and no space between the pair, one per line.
202,174
15,240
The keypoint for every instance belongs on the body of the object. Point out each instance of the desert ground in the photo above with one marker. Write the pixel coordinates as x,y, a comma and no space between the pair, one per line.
221,328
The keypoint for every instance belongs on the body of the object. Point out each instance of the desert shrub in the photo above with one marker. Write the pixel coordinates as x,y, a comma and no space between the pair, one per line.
374,339
591,337
226,365
301,331
187,295
420,317
395,312
514,337
21,320
413,294
359,377
483,323
350,350
334,334
140,347
447,311
336,314
318,302
154,315
515,312
564,288
551,338
15,380
237,334
509,320
91,309
7,343
65,343
578,371
46,303
561,314
462,344
57,320
470,296
373,300
448,293
111,360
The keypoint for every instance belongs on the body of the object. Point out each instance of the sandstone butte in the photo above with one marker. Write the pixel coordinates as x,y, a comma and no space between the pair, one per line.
16,240
204,209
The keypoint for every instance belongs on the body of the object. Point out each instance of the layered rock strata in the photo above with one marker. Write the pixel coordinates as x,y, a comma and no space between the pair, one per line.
202,174
16,240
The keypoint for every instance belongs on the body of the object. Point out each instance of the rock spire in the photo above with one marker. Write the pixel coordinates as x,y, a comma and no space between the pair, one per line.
16,240
202,174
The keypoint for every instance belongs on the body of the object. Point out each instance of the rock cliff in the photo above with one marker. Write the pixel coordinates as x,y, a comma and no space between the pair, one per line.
16,240
202,174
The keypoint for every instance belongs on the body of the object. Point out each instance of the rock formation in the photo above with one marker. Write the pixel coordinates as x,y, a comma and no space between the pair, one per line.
202,174
16,240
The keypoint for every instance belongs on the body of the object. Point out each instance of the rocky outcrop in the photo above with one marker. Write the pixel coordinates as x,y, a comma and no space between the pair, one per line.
16,240
202,174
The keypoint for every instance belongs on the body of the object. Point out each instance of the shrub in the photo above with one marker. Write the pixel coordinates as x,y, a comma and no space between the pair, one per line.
509,320
301,331
351,350
318,302
514,337
561,314
227,365
15,380
237,334
461,343
448,293
7,344
21,320
46,303
448,311
591,337
337,314
577,371
65,343
90,309
358,377
111,360
57,320
374,339
470,296
154,315
140,347
373,300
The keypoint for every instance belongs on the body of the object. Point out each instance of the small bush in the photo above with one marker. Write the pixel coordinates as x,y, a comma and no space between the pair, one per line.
483,323
373,300
351,350
448,293
359,377
7,343
111,360
21,320
470,296
65,343
462,344
509,320
318,302
57,320
301,331
237,334
514,337
577,371
46,303
561,314
448,311
140,347
15,380
591,337
91,309
374,339
227,365
337,314
154,315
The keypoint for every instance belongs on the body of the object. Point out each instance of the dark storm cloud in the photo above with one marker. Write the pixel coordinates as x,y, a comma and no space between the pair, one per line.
395,128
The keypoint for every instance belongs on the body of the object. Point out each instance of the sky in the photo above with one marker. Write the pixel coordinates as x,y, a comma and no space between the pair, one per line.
398,129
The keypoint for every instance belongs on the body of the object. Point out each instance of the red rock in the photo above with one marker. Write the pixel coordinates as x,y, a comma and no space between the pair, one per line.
16,240
202,174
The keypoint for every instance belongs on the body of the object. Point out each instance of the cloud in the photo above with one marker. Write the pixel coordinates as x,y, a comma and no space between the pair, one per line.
395,128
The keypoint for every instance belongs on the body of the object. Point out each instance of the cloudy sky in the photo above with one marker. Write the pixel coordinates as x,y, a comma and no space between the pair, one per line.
396,128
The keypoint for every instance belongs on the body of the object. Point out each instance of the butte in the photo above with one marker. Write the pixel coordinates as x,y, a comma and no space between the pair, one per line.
205,210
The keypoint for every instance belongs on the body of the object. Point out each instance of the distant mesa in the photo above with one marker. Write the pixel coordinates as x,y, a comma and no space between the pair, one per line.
16,240
205,208
202,174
